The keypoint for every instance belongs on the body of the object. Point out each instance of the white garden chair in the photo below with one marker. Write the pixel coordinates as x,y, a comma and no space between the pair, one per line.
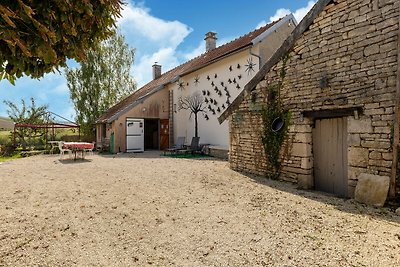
63,150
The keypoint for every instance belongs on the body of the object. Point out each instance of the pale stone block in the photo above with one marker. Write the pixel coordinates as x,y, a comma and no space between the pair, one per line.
301,150
375,155
372,189
306,163
359,126
353,140
303,138
358,156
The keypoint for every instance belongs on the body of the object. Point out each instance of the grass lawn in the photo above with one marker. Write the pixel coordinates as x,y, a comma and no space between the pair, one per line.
15,156
4,136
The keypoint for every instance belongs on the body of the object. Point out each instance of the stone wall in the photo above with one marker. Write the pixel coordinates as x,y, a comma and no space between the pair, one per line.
346,59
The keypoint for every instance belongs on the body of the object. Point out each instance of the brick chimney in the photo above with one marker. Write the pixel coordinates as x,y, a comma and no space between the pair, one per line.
211,41
156,71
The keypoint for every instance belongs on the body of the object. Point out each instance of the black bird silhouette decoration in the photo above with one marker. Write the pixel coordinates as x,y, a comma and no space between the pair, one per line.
215,102
208,77
226,89
206,117
218,109
213,111
229,81
219,93
206,100
230,68
211,100
223,106
228,94
209,107
204,92
238,86
208,93
215,76
234,80
240,76
222,83
228,102
238,66
212,83
216,89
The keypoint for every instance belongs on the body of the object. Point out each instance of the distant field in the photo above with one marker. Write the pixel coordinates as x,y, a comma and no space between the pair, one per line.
6,124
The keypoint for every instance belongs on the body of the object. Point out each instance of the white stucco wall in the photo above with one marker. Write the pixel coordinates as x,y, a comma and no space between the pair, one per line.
210,131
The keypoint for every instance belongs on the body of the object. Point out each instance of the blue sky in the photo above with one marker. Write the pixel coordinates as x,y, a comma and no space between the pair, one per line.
169,32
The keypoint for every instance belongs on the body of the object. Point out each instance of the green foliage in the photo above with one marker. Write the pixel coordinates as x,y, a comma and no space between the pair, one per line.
101,81
28,115
37,36
272,140
4,137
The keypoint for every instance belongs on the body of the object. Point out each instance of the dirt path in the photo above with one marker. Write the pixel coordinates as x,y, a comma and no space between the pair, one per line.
139,210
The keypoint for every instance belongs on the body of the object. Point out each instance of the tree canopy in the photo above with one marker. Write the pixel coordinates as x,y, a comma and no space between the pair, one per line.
101,81
27,114
37,36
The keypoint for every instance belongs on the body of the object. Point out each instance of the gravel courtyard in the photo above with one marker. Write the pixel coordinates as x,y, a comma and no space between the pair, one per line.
147,210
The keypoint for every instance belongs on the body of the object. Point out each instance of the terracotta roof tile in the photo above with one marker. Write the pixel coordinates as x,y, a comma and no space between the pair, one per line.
187,67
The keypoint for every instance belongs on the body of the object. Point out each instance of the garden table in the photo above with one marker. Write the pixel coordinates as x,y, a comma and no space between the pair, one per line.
78,147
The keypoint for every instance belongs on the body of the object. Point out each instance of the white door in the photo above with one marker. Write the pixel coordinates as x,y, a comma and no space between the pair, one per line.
134,135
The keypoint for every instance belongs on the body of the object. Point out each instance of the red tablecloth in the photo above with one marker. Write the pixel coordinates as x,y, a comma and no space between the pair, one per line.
78,145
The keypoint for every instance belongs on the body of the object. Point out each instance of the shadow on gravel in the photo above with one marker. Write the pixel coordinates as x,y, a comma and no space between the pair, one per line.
153,154
386,213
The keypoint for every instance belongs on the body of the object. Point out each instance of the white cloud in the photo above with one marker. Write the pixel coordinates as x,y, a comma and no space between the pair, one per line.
142,71
280,13
155,40
298,14
136,19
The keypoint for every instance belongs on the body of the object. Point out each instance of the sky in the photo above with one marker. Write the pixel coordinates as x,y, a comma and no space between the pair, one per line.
168,32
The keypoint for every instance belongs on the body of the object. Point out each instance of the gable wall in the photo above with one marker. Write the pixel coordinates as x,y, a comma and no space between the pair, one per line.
354,44
210,131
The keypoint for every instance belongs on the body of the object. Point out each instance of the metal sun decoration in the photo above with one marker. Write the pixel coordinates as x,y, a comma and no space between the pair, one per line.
181,85
250,66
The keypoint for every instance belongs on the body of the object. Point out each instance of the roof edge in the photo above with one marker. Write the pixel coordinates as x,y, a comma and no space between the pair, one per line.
276,57
274,27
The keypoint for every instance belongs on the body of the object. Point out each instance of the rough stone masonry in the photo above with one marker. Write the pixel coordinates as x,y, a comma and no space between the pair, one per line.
347,59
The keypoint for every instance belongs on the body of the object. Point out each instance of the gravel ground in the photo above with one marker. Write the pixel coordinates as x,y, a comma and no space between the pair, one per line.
147,210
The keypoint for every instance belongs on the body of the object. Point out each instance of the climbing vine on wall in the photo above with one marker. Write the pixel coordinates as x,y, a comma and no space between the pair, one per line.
276,122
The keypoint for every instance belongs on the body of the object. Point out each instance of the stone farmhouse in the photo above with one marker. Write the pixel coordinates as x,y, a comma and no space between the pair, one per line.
338,76
152,117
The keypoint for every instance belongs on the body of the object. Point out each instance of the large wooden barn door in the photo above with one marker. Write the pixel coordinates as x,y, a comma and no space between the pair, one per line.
164,134
330,155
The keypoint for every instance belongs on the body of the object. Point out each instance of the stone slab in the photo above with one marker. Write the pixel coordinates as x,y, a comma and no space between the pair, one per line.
372,189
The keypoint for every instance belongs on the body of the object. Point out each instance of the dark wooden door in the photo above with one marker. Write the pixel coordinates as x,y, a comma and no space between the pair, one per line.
330,155
164,134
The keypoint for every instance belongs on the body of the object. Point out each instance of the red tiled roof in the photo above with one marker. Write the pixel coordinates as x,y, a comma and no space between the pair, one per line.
190,66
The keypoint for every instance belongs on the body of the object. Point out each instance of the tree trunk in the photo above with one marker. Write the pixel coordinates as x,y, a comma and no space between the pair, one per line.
195,126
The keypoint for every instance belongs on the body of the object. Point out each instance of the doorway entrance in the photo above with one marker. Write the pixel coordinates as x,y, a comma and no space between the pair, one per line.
151,134
330,155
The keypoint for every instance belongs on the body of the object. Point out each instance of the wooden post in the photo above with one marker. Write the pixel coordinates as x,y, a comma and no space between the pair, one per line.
396,134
